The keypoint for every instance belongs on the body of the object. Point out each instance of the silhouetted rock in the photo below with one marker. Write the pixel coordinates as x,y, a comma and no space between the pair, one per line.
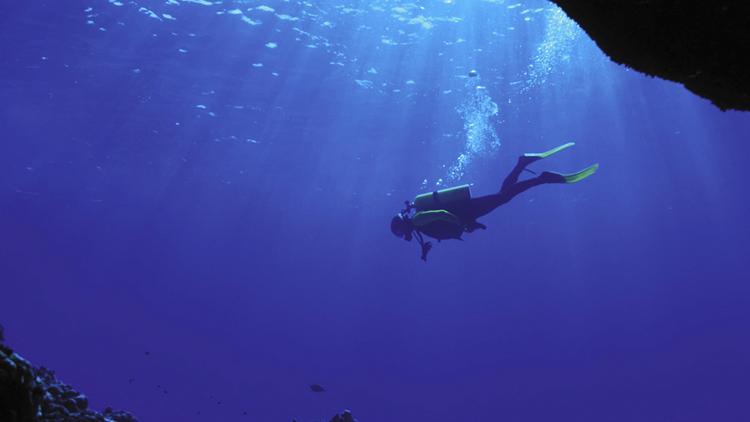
345,416
704,45
31,394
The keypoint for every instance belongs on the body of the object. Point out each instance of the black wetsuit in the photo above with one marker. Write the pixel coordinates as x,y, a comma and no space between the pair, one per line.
468,211
465,212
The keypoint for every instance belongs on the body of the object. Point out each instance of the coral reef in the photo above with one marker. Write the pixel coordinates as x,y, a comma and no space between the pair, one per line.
33,394
703,45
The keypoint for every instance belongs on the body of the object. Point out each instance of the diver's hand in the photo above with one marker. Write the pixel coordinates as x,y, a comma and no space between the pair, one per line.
426,247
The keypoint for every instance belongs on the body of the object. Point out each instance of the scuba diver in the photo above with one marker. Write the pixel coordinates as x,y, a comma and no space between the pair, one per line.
448,213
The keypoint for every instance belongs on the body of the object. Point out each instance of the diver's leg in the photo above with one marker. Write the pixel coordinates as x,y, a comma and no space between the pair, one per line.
483,205
546,177
527,159
511,187
512,178
519,187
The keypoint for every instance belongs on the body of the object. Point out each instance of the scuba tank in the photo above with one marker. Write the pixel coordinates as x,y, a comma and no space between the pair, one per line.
440,199
433,218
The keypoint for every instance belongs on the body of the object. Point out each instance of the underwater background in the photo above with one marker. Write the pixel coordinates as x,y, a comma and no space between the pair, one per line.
195,198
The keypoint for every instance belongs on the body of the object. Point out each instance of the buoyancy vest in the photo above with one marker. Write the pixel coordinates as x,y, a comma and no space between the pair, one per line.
432,217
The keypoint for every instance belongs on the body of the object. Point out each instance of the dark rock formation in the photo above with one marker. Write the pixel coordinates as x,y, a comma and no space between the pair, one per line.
345,416
705,45
31,394
34,394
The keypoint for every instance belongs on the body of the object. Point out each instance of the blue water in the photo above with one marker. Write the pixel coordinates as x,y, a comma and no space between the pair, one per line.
195,199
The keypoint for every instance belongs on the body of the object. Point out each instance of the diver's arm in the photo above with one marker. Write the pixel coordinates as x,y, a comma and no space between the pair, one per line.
426,246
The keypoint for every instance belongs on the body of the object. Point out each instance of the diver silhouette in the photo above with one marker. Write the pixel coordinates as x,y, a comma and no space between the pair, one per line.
448,213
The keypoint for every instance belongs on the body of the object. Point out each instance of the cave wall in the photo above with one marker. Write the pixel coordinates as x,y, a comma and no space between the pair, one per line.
703,45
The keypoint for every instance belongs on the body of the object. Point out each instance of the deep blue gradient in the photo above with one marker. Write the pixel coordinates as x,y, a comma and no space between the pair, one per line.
231,219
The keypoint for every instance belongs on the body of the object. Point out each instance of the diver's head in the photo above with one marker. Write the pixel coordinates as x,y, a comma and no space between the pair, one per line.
401,226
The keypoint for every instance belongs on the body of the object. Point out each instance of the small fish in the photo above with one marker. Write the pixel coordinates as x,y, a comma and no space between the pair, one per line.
317,388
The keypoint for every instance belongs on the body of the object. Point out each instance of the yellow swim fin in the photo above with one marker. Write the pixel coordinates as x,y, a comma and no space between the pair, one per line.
540,155
577,177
